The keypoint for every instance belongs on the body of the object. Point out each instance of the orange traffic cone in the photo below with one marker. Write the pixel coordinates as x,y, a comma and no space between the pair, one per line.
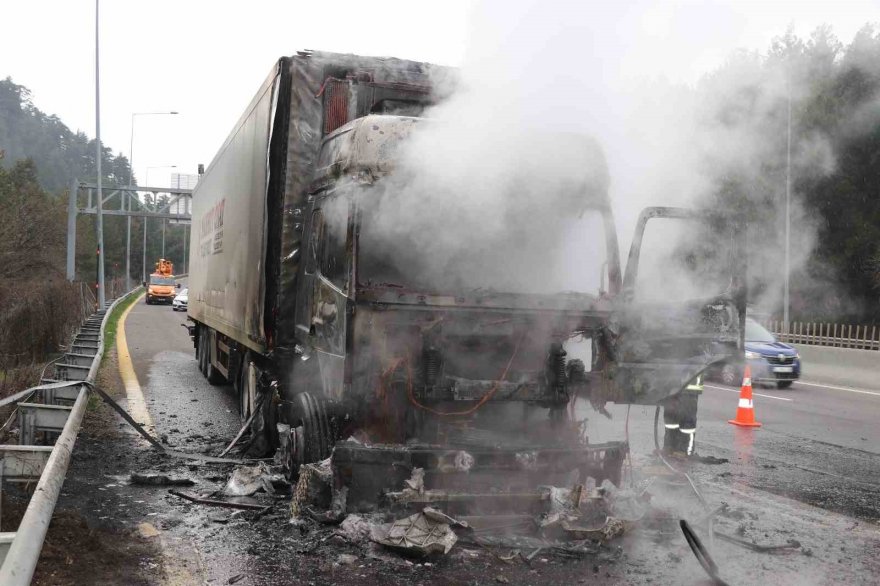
745,412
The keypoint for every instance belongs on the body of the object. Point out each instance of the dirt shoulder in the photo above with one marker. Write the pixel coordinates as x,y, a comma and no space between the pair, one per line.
92,538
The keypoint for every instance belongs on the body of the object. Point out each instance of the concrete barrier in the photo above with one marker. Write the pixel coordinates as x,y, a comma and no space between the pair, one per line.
840,366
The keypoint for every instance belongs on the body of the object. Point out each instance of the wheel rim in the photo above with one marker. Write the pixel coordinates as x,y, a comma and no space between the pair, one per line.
728,374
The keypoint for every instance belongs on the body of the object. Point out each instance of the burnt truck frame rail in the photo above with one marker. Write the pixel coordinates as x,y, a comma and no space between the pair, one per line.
51,411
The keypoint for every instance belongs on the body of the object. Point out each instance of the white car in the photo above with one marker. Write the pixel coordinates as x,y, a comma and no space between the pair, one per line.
180,301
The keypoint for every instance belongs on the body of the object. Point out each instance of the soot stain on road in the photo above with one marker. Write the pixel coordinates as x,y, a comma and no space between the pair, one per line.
189,413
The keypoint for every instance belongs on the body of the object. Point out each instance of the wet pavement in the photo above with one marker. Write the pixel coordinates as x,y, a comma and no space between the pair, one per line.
769,486
821,446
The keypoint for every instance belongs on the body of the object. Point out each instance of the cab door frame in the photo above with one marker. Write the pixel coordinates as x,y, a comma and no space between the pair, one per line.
660,347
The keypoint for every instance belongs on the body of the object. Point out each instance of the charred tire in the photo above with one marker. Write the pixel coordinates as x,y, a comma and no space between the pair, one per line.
311,435
783,384
730,375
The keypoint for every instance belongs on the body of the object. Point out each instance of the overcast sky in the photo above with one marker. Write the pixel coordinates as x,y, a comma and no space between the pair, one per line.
206,59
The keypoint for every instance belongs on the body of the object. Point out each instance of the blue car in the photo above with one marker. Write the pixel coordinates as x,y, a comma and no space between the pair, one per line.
770,361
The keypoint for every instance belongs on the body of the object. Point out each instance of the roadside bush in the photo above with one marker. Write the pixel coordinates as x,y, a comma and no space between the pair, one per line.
37,320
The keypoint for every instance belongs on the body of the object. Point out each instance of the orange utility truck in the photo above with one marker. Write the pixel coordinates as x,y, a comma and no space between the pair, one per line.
161,288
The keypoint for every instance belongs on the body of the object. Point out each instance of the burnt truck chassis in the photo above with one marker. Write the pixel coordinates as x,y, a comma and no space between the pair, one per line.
482,443
403,409
496,480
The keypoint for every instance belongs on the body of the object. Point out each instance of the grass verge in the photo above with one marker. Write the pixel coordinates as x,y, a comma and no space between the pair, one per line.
113,321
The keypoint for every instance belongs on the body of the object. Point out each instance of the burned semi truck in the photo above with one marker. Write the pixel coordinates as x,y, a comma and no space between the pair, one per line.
336,346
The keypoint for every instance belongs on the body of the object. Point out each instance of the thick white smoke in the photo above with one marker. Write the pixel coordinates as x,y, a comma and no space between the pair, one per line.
490,197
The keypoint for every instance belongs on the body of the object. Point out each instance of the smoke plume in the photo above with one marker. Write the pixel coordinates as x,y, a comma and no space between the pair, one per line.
495,189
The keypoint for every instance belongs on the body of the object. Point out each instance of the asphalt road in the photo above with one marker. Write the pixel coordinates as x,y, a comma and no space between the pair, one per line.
818,444
189,412
809,450
832,414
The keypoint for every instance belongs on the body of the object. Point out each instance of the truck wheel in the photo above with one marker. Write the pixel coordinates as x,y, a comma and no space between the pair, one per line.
311,436
730,375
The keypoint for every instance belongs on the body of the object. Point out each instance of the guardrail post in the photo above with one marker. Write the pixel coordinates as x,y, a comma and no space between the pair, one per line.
19,551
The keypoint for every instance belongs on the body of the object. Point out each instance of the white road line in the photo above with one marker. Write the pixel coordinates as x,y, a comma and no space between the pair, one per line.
875,393
753,393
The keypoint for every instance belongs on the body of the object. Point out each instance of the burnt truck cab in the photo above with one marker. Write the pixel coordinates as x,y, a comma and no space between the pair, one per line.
396,371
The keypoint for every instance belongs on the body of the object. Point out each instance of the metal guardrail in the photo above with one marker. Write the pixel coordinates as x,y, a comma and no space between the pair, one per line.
825,334
57,410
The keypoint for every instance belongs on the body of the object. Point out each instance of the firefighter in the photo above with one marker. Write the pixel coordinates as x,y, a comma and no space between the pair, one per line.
680,419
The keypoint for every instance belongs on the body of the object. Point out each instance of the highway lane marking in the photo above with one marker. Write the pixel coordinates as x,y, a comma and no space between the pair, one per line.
875,393
753,393
137,406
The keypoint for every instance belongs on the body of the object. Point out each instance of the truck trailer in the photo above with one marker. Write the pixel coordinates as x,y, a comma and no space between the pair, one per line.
334,348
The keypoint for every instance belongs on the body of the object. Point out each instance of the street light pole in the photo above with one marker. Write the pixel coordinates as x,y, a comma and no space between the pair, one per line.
164,221
129,195
144,264
131,140
785,293
99,224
